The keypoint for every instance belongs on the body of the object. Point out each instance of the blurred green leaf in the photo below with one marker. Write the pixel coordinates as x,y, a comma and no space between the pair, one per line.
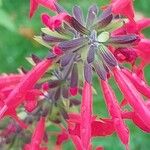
6,21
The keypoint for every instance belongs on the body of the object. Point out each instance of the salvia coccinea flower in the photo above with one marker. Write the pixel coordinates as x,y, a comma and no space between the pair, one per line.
131,27
86,115
133,97
124,7
53,22
9,80
140,84
34,4
115,112
37,137
137,120
99,44
17,96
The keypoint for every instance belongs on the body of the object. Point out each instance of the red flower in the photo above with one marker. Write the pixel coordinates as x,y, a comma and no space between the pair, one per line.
123,7
132,96
86,115
143,51
133,27
115,113
37,137
9,80
17,96
140,84
46,3
31,99
53,22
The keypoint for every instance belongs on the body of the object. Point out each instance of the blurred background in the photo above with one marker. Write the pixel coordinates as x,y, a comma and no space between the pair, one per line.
16,43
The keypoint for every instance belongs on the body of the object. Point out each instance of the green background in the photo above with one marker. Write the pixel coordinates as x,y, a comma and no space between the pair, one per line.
14,47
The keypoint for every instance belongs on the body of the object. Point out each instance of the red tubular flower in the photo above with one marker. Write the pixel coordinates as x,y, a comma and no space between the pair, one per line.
46,3
53,22
77,142
31,99
16,97
138,83
143,50
123,7
86,115
133,96
115,113
135,118
100,127
9,80
37,136
136,27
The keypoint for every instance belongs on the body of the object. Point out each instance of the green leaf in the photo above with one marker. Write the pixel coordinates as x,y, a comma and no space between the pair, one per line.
6,22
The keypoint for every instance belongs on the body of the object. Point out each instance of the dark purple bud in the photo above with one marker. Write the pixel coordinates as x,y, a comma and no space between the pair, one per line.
88,72
100,70
125,39
69,29
54,83
67,70
92,13
77,26
74,102
45,112
105,18
74,76
57,94
65,92
64,113
78,14
73,44
51,39
36,59
59,8
107,56
91,53
51,55
66,59
65,32
24,70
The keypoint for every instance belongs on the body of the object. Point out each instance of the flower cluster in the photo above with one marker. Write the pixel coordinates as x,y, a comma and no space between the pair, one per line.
58,84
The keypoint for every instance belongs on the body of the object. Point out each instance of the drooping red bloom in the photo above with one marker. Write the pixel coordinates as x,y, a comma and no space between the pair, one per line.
86,115
132,96
140,84
17,96
115,113
37,137
34,4
53,22
137,120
